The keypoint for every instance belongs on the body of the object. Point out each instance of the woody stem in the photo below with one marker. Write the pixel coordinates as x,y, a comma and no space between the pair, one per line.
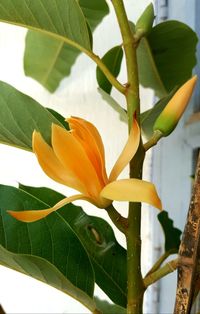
134,277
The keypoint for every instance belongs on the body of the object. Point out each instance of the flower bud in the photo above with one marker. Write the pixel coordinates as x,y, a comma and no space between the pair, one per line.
145,22
169,117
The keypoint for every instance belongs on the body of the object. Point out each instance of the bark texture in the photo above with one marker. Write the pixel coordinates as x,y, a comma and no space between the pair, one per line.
188,284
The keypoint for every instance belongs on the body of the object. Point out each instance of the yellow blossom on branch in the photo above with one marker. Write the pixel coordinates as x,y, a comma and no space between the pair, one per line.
77,160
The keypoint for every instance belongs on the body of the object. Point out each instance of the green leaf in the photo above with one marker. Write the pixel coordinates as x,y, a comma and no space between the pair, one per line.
20,116
51,239
46,272
112,102
62,19
94,11
172,234
166,56
112,59
107,256
106,307
148,117
49,60
59,117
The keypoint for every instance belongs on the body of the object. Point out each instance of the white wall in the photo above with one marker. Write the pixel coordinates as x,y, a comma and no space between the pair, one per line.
172,168
77,95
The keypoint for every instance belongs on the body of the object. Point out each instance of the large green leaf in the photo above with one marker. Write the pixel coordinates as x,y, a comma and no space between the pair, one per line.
20,116
94,11
63,19
166,56
46,272
51,239
172,234
112,59
107,256
49,60
148,117
106,307
59,117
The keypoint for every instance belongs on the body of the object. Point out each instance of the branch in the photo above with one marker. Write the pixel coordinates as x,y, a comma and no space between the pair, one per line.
119,221
161,272
189,254
153,140
2,310
159,262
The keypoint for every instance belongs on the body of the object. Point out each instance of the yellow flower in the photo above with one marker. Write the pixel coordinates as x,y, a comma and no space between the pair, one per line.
77,160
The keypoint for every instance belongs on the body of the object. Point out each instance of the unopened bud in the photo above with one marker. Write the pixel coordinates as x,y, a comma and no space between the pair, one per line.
145,22
169,117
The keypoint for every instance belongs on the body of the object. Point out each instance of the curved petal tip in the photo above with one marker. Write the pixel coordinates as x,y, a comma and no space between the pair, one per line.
132,190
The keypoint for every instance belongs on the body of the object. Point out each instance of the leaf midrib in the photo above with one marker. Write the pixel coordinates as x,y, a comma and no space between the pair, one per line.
155,71
54,35
90,256
44,80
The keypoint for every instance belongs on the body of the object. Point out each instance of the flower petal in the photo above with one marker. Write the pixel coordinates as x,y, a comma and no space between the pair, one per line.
72,155
34,215
132,190
52,166
90,139
127,153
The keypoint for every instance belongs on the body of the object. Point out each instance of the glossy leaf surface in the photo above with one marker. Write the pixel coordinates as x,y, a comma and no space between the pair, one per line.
20,116
60,18
148,117
51,239
44,271
49,60
107,256
106,307
59,117
166,56
172,234
94,11
112,59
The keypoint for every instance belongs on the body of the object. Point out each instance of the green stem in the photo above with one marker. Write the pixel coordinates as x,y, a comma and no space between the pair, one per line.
134,277
132,86
157,135
111,78
161,272
159,262
119,221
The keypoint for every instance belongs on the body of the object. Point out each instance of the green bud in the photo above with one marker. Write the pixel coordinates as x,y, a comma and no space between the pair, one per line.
170,116
145,22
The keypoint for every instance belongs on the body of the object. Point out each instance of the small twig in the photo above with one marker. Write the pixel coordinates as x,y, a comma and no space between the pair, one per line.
159,262
157,135
2,310
119,221
189,254
161,272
